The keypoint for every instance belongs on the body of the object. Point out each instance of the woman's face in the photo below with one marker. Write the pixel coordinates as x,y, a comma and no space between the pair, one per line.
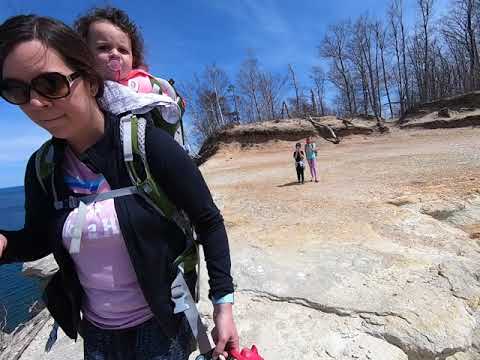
64,118
112,50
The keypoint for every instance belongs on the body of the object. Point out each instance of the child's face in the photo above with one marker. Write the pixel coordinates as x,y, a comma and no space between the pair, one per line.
112,49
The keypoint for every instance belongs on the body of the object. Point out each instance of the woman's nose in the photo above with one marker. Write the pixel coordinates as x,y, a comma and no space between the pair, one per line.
37,100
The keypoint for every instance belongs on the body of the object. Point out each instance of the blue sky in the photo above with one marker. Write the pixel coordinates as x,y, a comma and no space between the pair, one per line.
181,37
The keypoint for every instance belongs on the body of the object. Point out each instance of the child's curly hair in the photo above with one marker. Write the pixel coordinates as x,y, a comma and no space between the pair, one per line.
121,20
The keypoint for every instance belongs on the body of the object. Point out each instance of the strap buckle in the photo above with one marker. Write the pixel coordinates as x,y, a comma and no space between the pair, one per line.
71,203
179,297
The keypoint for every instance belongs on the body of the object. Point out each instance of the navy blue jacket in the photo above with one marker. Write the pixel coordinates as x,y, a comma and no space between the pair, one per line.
152,241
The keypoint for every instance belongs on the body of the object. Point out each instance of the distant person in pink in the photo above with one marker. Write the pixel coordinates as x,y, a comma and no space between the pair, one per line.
311,155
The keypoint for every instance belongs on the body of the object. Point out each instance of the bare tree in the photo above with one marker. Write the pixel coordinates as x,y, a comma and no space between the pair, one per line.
218,81
208,101
394,28
318,76
334,47
360,78
270,88
425,80
303,102
314,103
471,9
397,28
380,34
364,56
248,82
404,53
371,65
363,40
236,100
460,31
294,84
285,111
373,68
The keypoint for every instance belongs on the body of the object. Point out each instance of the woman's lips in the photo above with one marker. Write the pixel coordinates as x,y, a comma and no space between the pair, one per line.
53,122
53,119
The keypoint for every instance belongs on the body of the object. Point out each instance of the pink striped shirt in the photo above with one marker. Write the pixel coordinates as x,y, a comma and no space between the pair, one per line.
113,298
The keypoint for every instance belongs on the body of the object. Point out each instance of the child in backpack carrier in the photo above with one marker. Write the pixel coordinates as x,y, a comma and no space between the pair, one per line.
117,46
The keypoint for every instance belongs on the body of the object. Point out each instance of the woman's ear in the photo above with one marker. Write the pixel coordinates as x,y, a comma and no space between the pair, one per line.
93,89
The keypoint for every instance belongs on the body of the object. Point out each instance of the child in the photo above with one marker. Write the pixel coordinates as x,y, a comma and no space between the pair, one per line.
299,157
117,46
311,152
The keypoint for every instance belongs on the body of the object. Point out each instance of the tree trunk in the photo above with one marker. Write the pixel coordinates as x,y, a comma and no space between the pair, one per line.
294,82
399,65
385,82
404,55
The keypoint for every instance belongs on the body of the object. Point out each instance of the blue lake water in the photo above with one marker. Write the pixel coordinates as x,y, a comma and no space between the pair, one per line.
17,292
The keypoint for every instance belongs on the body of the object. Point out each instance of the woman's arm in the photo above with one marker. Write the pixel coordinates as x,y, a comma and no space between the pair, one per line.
31,242
180,179
182,182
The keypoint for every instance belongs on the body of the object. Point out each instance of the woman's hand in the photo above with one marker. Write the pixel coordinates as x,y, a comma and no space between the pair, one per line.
3,244
224,333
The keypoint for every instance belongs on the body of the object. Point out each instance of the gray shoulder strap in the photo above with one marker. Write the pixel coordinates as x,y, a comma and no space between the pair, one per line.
183,300
126,134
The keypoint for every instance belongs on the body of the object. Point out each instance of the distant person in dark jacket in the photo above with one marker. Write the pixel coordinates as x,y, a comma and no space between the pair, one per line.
119,276
299,158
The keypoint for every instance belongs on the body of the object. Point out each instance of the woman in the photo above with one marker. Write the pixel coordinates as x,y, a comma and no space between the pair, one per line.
120,279
311,153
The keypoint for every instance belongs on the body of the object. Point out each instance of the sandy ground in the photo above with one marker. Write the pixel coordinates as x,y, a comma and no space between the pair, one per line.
259,195
374,237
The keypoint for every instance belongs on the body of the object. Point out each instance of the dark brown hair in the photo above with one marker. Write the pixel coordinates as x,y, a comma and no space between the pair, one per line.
52,34
121,20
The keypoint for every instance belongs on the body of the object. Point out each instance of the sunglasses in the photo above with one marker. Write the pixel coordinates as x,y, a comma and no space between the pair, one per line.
52,85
